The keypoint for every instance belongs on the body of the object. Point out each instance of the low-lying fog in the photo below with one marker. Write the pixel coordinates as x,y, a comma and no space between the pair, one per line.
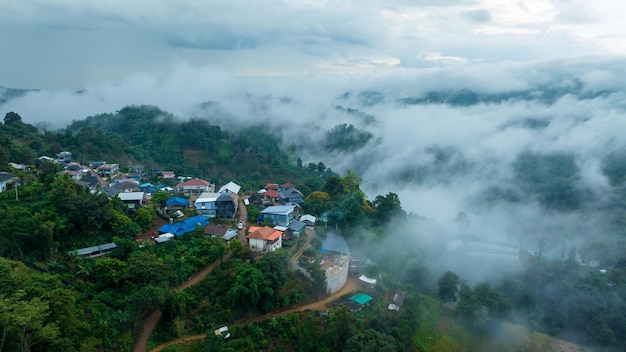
524,156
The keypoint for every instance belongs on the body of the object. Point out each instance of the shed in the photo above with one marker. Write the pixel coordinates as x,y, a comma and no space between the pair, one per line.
361,298
93,252
367,281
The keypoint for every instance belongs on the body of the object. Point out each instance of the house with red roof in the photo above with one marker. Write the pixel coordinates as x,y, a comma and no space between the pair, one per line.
264,239
195,186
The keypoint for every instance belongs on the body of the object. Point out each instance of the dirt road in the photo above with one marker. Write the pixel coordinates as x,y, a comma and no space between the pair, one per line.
152,320
351,285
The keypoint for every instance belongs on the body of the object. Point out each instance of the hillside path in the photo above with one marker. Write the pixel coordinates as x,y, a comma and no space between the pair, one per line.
153,319
351,285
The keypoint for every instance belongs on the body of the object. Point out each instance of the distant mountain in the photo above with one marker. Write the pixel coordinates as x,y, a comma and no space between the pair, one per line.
7,94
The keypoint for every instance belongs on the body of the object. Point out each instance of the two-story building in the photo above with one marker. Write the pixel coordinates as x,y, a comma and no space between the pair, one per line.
206,204
194,186
280,215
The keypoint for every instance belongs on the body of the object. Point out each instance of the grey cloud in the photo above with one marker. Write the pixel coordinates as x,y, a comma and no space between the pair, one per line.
477,16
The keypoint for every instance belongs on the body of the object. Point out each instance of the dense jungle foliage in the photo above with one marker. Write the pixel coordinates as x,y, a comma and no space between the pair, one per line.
51,303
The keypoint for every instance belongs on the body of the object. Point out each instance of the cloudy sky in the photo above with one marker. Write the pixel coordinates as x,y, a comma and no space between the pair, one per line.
69,44
247,56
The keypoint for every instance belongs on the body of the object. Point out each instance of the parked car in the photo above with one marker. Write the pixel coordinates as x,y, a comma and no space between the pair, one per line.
240,226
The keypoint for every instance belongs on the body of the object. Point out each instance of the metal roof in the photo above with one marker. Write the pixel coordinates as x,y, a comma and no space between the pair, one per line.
89,250
335,243
361,298
283,209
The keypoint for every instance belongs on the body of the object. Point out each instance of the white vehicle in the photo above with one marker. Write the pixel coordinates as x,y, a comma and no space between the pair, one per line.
240,226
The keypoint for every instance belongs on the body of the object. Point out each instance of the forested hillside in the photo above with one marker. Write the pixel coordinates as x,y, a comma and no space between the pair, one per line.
52,301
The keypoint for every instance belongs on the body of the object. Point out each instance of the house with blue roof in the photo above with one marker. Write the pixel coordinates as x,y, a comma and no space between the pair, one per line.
280,215
182,227
177,202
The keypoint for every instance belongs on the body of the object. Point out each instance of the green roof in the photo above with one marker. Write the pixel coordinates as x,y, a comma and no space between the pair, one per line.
361,298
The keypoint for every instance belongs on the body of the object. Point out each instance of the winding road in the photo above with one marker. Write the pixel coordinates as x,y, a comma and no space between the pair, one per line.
351,285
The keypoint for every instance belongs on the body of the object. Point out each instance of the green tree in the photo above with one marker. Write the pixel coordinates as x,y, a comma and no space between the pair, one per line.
387,207
317,203
26,321
371,340
11,117
448,287
159,198
145,218
145,268
248,288
110,271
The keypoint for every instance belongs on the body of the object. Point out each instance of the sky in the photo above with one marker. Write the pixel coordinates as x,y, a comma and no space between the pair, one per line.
289,64
70,44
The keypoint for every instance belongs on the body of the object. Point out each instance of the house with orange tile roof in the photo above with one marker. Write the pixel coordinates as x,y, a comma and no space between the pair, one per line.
264,239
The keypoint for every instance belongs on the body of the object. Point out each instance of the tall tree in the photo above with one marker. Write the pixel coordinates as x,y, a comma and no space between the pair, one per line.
448,287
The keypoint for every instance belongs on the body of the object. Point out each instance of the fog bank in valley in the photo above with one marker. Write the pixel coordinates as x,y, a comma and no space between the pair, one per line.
522,155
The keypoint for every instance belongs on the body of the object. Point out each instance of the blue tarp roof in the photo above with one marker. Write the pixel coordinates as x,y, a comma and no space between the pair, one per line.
335,243
177,201
187,225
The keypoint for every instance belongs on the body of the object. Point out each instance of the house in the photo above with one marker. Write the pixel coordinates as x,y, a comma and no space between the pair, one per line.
182,227
308,220
7,181
280,215
194,186
64,157
215,230
227,205
147,187
46,158
74,175
289,195
108,170
136,169
96,164
177,203
396,300
273,186
264,239
168,174
206,204
230,187
294,229
20,167
126,186
93,252
134,200
89,181
110,191
271,196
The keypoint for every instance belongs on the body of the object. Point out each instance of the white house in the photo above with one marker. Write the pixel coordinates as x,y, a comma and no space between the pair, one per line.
206,204
5,180
134,200
264,239
230,187
195,186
